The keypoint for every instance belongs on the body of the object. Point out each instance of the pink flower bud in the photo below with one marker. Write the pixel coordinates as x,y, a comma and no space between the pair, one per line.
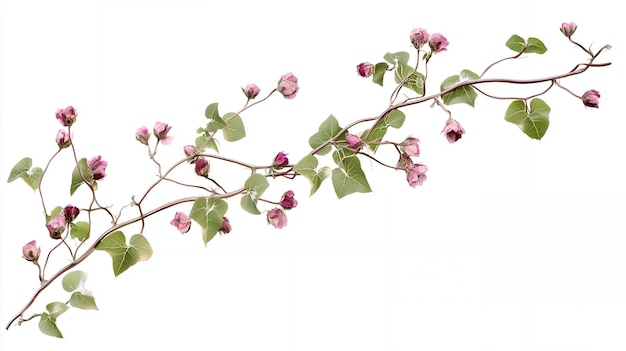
365,69
182,222
142,135
66,116
70,213
64,139
411,147
251,91
453,131
226,228
354,142
280,161
568,29
438,43
31,252
277,218
56,226
287,201
418,37
160,132
189,150
202,167
404,162
98,167
590,98
288,86
416,175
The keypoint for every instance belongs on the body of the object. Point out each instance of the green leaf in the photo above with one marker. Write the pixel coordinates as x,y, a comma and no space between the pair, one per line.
308,168
319,177
125,256
533,122
79,230
379,73
415,81
72,281
400,57
208,213
535,46
213,114
465,94
83,300
516,43
349,178
20,169
48,326
234,129
202,141
394,119
327,130
255,186
342,153
56,309
77,180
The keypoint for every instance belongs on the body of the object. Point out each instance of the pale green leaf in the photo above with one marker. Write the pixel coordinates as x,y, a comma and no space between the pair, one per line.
379,73
83,300
535,46
77,180
533,122
465,94
516,43
208,213
74,280
20,169
79,231
48,326
234,129
123,256
141,244
255,186
400,57
327,130
349,178
56,309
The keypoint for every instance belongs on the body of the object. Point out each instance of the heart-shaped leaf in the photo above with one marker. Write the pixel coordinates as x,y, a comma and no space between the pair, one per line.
208,213
533,122
327,130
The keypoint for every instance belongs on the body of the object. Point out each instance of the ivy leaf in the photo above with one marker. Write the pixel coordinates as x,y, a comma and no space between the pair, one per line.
20,169
516,43
202,141
400,57
308,168
327,130
142,246
83,300
535,46
379,73
73,281
48,325
208,213
394,119
77,180
234,129
255,186
415,79
213,114
124,256
349,178
465,94
533,122
79,230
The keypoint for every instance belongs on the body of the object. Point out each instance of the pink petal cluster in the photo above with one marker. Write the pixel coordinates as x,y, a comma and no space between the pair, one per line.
453,131
142,135
56,226
419,37
182,222
64,139
97,167
591,98
66,116
70,213
365,69
288,86
160,132
438,43
280,161
189,150
568,29
277,218
202,167
411,147
31,252
415,172
251,91
226,227
354,142
287,201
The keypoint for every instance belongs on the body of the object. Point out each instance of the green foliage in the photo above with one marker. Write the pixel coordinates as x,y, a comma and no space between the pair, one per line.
23,170
203,142
74,280
327,130
79,231
397,57
308,168
465,94
83,300
77,180
349,178
234,129
124,256
216,122
48,320
208,213
533,122
516,43
530,46
394,118
535,46
255,186
379,73
414,80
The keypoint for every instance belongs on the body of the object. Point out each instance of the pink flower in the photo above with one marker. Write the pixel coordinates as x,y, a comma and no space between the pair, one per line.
251,91
438,43
160,132
56,226
354,142
287,201
182,222
142,135
288,86
226,228
66,116
365,69
590,98
98,167
189,150
64,139
31,252
411,147
202,167
453,131
70,213
419,37
568,29
280,161
277,218
416,175
405,162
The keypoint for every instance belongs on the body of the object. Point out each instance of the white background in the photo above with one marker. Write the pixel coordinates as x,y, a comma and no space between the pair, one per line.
511,244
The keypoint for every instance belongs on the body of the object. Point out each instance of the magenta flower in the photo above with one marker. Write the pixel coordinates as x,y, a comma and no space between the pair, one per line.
280,161
189,150
56,226
438,43
182,222
202,167
590,98
64,139
568,29
251,91
277,218
365,69
416,175
226,227
453,131
411,147
160,132
354,142
98,167
66,116
70,213
142,135
287,201
31,252
419,37
288,85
